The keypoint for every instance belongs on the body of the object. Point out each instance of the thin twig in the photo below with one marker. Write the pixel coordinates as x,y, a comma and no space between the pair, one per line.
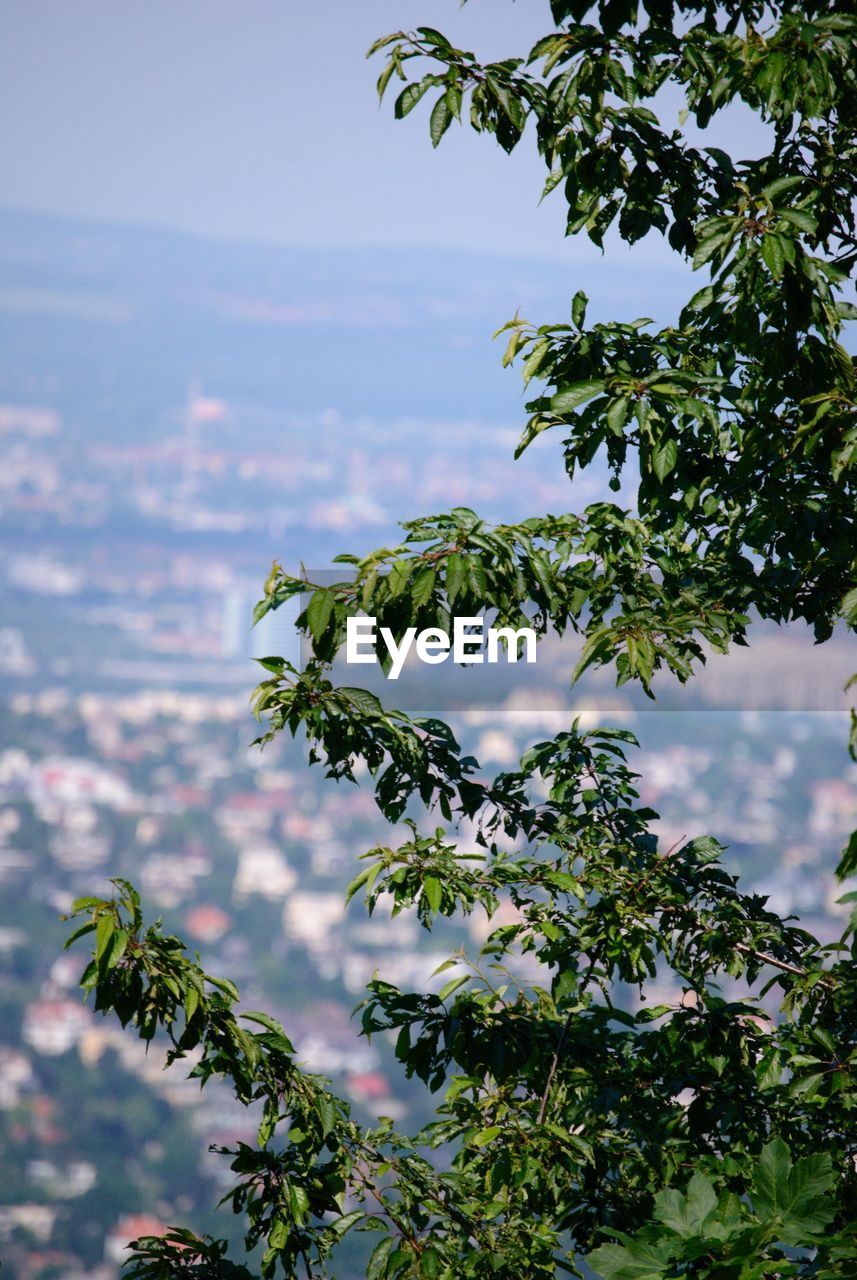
772,960
543,1105
563,1036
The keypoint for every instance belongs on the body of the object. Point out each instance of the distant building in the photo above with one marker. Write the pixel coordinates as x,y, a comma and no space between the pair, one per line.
309,917
74,780
235,625
263,869
16,1075
53,1027
15,657
368,1086
207,923
36,1219
130,1227
274,636
63,1182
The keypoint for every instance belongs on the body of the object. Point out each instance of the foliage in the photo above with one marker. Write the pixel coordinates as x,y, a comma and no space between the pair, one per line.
787,1204
582,1122
740,418
564,1109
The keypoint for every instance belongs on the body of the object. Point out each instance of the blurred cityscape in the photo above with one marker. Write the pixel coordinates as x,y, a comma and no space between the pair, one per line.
173,415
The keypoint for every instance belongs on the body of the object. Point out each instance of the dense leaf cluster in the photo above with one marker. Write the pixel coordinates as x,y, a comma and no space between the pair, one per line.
576,1104
739,419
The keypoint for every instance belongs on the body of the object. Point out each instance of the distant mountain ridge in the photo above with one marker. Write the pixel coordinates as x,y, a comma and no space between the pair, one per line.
88,305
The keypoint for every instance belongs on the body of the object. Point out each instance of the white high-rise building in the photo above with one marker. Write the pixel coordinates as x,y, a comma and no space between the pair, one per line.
274,636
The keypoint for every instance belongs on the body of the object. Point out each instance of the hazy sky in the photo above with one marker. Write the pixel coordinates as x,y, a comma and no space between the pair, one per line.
258,118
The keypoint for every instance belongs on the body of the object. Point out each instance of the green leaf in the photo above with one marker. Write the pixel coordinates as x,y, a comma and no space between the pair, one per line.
399,575
578,308
774,254
278,1233
440,120
384,79
848,862
319,611
779,185
577,393
484,1136
423,587
276,665
800,218
452,986
806,1086
617,415
81,932
224,985
433,892
367,877
798,1195
383,41
346,1222
104,934
634,1262
85,904
298,1203
364,701
455,575
709,247
191,1002
264,1020
685,1214
118,947
664,458
377,1266
431,36
410,96
535,359
430,1263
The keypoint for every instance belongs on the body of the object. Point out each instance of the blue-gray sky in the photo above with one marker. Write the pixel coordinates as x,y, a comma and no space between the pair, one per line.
258,119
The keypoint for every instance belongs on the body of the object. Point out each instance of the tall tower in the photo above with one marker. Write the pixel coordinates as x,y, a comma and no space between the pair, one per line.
274,636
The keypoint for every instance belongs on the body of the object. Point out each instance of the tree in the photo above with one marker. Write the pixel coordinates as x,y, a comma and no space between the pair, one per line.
575,1128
